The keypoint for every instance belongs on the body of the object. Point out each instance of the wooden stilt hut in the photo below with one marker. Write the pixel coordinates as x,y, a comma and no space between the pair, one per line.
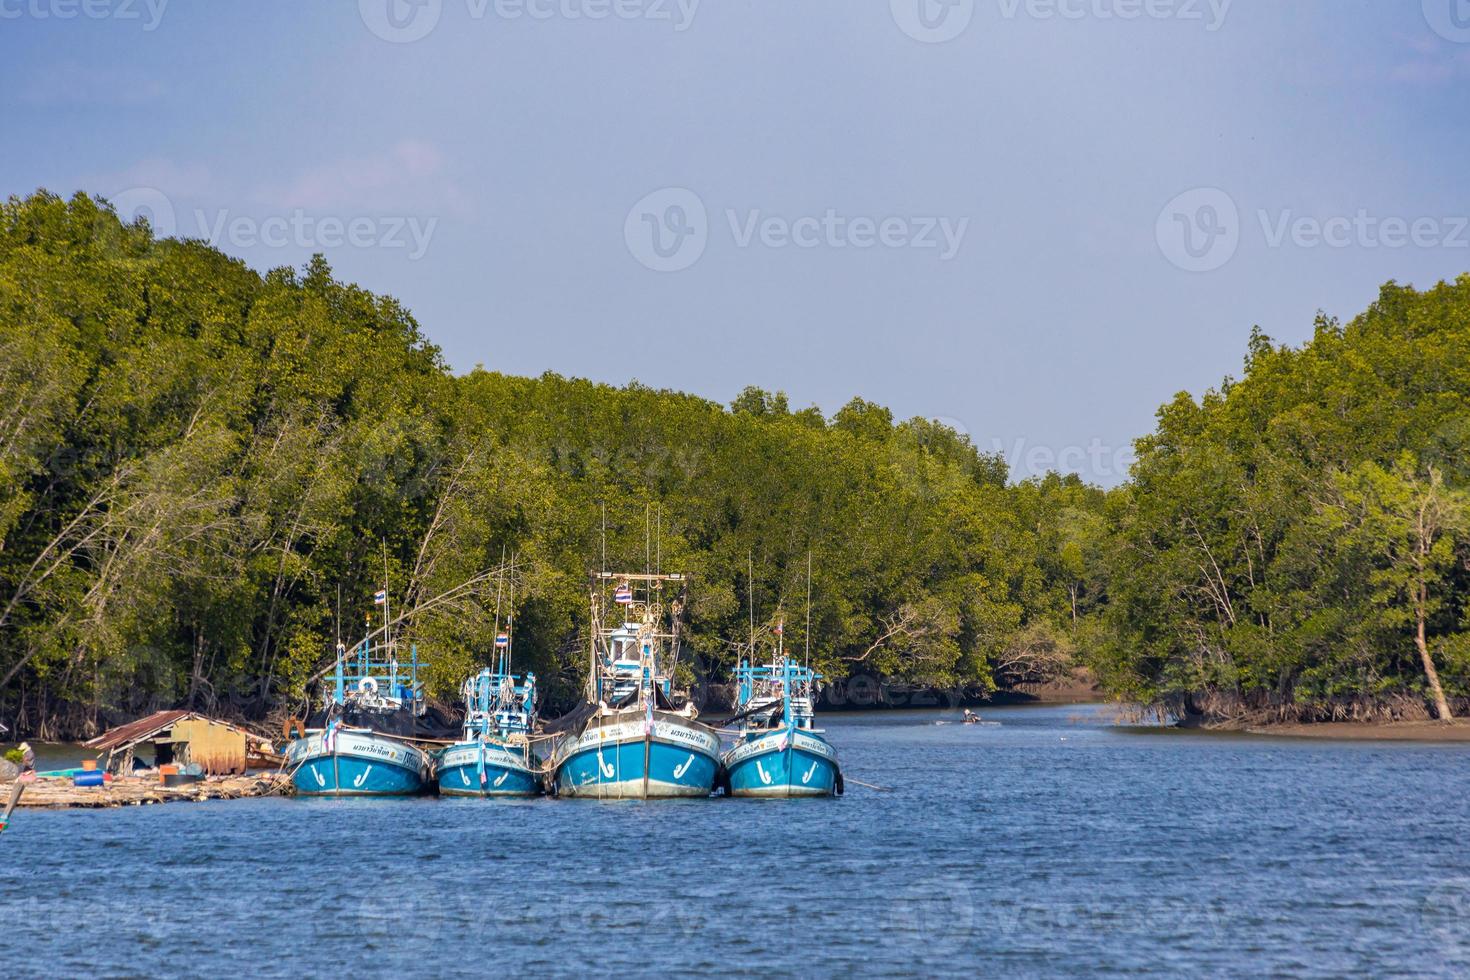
179,737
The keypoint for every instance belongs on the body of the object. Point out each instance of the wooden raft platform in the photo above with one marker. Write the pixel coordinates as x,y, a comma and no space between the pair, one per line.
60,794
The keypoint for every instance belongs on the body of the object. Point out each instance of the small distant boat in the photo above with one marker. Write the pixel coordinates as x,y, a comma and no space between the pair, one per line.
780,751
360,743
494,757
635,737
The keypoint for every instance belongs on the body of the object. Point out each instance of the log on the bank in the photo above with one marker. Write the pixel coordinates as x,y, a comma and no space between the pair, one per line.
138,791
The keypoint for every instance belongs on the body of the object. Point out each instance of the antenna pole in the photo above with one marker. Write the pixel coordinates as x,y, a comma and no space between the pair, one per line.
340,652
510,613
807,656
595,601
604,537
750,591
387,618
499,587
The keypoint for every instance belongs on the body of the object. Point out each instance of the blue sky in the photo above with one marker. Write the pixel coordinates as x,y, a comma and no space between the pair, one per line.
1035,219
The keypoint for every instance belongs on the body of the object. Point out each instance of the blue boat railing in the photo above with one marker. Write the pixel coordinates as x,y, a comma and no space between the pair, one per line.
370,675
499,705
782,683
629,664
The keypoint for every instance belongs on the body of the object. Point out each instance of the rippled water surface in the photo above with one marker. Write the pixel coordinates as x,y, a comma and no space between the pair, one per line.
1049,844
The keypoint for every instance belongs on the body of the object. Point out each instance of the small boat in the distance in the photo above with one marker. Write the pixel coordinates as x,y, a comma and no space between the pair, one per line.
780,751
635,737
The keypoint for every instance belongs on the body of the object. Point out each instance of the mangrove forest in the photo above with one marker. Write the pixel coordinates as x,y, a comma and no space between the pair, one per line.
206,473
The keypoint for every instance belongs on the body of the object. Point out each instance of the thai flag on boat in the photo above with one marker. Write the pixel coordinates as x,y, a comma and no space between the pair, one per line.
502,641
329,737
380,597
780,627
623,595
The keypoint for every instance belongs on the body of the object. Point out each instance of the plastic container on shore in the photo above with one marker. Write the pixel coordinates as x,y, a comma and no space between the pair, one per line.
93,778
89,764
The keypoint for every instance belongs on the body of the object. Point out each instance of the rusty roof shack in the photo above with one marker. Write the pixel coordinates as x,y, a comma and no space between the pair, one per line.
180,737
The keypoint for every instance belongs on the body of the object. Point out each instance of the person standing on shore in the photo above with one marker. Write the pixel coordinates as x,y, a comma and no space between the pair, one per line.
27,775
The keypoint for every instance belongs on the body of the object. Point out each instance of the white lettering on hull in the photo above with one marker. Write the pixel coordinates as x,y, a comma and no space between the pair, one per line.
612,735
350,745
774,743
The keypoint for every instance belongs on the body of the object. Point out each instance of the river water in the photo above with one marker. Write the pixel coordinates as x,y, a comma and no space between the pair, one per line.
1050,843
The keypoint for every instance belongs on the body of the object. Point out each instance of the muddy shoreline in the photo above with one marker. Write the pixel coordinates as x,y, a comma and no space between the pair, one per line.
61,794
1392,731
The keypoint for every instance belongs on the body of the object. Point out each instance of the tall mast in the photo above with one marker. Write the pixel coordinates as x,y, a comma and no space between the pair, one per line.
675,609
510,615
499,587
750,594
806,660
386,617
596,625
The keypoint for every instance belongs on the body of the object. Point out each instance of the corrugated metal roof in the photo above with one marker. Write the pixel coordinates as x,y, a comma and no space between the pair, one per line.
136,731
145,728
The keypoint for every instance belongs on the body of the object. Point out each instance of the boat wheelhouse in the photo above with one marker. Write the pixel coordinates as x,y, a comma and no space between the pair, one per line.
636,737
779,752
494,757
360,743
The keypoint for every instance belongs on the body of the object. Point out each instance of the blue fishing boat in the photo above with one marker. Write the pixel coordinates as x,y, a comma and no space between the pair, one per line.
360,743
494,757
780,751
635,737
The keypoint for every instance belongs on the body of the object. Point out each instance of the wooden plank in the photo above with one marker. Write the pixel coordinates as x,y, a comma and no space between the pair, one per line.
140,791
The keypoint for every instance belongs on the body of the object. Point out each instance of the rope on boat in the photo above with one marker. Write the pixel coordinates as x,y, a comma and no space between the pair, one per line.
859,782
285,758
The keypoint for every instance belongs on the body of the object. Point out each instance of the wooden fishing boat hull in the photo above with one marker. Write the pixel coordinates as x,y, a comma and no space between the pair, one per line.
622,756
357,763
486,769
784,763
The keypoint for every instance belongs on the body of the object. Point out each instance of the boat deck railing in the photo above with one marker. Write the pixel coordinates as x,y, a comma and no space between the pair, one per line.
496,706
369,675
777,684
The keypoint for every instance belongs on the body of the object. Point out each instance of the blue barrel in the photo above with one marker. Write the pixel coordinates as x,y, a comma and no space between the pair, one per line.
88,779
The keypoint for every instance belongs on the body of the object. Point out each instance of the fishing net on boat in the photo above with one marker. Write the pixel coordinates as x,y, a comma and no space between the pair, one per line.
767,714
434,723
575,719
571,721
660,701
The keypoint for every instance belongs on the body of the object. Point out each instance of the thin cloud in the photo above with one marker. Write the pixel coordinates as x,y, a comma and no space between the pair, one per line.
177,181
409,175
74,84
1431,62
